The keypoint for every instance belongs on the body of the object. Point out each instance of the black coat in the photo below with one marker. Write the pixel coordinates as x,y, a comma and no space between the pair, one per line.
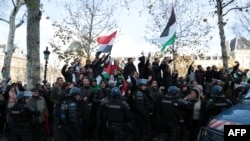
66,74
128,69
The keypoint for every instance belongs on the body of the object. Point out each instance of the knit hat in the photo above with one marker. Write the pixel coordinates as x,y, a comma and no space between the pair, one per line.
200,88
196,90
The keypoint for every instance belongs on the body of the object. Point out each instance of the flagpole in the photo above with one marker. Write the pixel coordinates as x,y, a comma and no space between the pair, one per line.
174,53
174,63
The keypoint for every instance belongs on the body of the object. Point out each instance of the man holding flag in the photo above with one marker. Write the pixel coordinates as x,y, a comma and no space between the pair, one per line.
105,46
104,70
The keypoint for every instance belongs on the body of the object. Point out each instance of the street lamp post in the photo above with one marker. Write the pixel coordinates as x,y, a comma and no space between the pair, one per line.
46,54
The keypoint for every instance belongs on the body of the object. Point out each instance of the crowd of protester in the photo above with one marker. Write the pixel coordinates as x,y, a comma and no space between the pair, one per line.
155,101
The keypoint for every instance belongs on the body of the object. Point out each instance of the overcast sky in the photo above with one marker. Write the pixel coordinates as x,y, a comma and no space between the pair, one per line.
130,41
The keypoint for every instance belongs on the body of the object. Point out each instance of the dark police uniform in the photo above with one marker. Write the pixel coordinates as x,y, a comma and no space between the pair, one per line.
140,109
172,109
22,115
117,115
216,104
68,121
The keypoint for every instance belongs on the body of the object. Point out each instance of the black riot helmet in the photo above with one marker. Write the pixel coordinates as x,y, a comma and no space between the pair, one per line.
217,91
173,91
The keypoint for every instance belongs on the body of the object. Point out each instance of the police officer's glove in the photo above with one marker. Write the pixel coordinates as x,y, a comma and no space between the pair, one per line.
185,102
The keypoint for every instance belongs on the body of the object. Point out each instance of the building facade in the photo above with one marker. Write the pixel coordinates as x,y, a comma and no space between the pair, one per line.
239,49
18,67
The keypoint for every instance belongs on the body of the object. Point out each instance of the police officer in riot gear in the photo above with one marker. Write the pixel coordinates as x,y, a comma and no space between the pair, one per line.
140,109
240,91
22,115
171,108
117,115
216,104
67,118
155,97
98,97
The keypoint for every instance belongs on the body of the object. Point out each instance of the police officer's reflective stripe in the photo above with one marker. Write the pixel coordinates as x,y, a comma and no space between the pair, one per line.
15,112
167,101
68,112
220,104
139,96
72,111
115,106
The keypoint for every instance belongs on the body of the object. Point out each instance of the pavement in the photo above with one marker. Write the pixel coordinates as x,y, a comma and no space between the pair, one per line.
3,138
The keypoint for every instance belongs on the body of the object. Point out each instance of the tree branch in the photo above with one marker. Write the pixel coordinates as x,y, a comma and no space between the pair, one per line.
234,8
21,22
13,3
4,20
225,5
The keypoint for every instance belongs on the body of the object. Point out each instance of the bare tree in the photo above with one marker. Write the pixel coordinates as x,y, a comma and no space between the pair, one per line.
241,26
86,20
223,7
33,42
10,47
192,27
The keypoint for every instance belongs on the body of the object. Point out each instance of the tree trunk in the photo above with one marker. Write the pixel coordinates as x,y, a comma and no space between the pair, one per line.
222,34
33,43
10,47
88,54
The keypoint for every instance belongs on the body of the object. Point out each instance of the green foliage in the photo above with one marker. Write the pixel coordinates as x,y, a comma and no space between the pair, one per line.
150,6
201,55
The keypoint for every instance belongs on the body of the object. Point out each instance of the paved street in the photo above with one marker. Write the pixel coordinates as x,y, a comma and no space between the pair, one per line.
3,138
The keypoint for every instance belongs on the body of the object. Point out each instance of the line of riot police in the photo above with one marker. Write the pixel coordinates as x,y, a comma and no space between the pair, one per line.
143,114
118,117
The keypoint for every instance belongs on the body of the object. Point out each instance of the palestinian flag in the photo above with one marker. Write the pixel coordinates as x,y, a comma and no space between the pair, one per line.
168,35
105,73
105,43
103,76
108,67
